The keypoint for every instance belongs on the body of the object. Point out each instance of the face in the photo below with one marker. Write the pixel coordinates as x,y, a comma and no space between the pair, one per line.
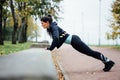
45,25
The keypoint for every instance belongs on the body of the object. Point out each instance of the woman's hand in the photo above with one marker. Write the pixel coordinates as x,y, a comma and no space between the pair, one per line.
46,48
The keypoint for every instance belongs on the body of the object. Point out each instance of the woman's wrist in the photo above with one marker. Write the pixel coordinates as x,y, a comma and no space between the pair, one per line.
48,48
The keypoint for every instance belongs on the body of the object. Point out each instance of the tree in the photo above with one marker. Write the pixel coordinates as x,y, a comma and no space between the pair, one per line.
115,22
1,32
44,7
23,13
6,14
34,8
20,12
15,23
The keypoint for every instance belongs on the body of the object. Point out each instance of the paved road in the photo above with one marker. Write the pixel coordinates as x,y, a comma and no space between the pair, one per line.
31,64
81,67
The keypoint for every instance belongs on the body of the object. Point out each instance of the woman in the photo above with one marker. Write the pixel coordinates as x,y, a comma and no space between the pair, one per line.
60,36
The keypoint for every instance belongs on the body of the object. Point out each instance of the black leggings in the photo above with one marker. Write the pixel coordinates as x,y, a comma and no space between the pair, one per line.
83,48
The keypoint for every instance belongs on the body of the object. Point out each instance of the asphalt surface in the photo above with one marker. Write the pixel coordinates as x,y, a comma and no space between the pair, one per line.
31,64
78,66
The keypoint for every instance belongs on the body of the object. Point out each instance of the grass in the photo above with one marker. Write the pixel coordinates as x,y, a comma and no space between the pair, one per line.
116,47
8,47
112,46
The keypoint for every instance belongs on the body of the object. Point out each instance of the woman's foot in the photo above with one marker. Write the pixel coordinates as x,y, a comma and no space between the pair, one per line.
108,66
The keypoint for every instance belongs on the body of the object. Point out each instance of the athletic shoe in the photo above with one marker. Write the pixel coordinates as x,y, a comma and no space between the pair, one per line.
108,66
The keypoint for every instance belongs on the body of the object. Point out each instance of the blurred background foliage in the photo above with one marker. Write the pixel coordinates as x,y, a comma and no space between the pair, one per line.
18,22
114,33
18,18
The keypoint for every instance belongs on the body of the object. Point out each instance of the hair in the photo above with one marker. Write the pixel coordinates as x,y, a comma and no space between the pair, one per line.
47,18
50,20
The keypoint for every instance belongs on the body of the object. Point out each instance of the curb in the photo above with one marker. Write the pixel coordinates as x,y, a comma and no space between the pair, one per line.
63,71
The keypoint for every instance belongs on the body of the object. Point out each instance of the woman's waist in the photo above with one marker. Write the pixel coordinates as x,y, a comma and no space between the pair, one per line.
63,34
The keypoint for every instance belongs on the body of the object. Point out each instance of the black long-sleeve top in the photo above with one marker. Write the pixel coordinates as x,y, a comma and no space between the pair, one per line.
56,32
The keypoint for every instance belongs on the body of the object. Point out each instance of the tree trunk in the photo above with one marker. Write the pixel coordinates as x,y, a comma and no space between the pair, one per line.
14,34
4,29
21,31
25,35
15,23
1,33
23,28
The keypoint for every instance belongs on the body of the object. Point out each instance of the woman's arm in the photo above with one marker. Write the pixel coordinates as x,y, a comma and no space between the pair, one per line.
55,36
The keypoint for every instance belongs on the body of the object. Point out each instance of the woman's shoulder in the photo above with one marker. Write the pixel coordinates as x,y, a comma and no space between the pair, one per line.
54,24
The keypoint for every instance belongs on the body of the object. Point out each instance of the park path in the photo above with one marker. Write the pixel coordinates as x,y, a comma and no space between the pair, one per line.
30,64
78,66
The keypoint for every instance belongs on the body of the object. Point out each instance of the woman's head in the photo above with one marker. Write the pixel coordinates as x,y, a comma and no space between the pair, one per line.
46,21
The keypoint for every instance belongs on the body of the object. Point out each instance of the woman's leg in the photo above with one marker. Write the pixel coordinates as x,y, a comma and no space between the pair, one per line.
83,48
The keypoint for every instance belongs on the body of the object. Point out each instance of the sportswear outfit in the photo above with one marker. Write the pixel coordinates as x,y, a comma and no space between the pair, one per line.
60,36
